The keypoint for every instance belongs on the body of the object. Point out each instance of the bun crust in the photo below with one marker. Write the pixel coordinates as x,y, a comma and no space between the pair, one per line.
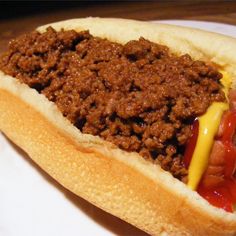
121,183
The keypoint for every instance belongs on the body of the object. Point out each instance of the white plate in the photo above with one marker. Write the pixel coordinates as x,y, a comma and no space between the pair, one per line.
220,28
31,203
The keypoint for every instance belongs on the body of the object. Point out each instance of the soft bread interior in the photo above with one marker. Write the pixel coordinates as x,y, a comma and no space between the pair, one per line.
119,182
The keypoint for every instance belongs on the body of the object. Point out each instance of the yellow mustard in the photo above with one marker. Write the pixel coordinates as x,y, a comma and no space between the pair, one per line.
208,127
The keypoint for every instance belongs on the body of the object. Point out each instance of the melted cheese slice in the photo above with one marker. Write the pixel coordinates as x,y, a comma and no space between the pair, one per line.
208,127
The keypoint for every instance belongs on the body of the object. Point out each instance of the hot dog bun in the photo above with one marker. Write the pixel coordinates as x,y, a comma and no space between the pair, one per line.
119,182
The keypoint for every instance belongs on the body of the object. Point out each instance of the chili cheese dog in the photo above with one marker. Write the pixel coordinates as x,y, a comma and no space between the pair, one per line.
131,97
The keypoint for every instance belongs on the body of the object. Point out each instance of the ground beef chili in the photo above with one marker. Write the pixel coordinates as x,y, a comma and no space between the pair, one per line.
138,96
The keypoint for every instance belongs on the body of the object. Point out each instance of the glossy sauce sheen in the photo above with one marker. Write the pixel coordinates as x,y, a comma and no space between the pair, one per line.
218,184
208,127
223,193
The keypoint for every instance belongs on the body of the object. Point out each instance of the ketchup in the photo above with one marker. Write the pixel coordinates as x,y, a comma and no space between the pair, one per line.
224,194
217,196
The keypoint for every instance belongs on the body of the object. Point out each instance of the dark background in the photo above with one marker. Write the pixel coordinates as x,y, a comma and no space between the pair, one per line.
17,17
144,10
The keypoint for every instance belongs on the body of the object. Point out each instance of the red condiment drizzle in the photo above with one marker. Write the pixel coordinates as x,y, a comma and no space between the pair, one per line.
224,194
217,196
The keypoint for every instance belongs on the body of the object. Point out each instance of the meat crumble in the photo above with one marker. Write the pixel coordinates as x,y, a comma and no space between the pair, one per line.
139,96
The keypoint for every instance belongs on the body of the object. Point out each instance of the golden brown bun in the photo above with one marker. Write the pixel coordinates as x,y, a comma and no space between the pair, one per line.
121,183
